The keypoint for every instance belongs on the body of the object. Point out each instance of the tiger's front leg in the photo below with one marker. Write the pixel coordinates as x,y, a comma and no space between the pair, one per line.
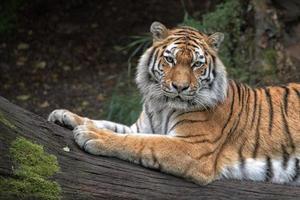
71,120
165,153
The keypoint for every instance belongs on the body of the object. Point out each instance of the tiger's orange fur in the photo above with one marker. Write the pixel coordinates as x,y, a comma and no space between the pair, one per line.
260,123
195,124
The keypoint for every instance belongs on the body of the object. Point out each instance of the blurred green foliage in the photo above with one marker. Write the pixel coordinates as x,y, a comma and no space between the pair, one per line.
8,14
138,44
124,105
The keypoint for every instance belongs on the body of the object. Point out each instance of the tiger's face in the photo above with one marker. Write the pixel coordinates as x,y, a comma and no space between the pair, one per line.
182,71
181,67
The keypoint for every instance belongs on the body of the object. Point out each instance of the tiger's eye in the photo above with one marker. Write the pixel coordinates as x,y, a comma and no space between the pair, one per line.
169,59
197,64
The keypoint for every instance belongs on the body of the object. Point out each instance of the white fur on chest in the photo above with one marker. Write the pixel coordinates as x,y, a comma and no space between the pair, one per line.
159,117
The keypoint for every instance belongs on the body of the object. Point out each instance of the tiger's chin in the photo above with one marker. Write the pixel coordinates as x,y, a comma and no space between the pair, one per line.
180,102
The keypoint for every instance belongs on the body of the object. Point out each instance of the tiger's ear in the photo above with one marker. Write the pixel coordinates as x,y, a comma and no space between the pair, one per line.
159,31
215,40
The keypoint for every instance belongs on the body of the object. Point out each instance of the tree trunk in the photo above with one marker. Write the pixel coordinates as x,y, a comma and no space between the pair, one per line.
276,39
84,176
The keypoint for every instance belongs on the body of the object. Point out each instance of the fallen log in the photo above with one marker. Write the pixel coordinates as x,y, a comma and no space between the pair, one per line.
84,176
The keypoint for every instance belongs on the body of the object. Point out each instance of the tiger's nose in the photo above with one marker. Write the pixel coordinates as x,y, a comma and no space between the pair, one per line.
180,87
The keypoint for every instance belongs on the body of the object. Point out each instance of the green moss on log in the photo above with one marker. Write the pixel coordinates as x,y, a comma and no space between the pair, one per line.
32,167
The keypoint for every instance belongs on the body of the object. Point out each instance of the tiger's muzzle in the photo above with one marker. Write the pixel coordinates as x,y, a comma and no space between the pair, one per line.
177,90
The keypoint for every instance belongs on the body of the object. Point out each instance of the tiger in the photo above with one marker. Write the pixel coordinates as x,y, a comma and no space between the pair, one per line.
196,123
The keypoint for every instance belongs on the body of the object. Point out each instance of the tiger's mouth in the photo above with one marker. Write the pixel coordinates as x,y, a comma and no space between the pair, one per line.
178,96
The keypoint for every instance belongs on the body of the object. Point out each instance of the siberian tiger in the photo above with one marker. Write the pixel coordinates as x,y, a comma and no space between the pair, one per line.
195,122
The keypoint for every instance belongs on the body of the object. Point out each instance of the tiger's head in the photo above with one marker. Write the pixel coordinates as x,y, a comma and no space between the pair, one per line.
182,69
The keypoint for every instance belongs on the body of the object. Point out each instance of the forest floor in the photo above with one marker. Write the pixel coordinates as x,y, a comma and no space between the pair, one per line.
65,55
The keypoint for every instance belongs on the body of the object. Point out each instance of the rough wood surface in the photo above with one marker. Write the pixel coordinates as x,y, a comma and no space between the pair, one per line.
84,176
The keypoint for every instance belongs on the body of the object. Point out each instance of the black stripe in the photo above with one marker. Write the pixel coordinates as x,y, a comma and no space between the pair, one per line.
124,130
185,33
155,58
241,157
116,128
160,67
213,59
287,130
180,35
237,122
193,40
179,42
85,144
269,170
257,134
297,92
149,115
154,158
139,154
175,41
193,111
180,31
137,126
184,121
241,112
151,56
238,91
243,91
214,73
254,107
230,114
247,104
285,157
167,120
269,100
286,99
297,170
193,30
199,141
195,37
153,64
193,45
190,136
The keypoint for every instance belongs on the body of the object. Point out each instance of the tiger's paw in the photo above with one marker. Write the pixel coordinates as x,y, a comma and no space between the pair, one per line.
92,139
65,118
